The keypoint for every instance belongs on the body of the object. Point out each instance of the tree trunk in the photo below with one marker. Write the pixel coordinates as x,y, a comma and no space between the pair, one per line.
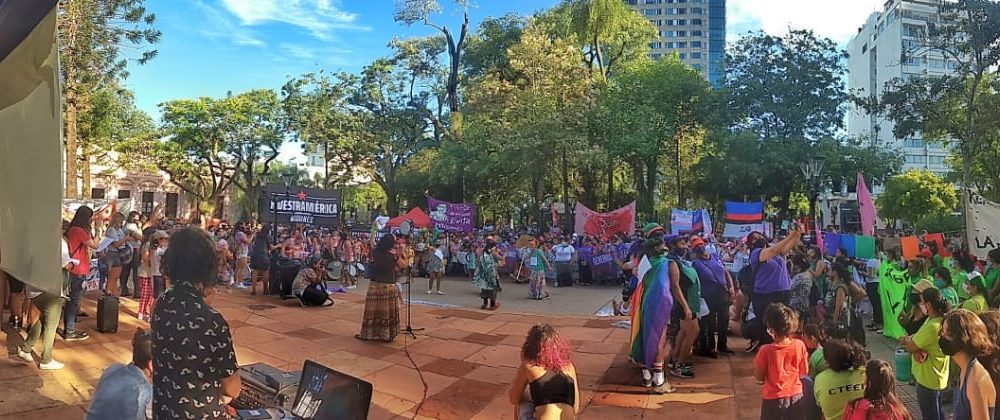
565,192
611,183
645,208
71,143
85,174
219,210
651,173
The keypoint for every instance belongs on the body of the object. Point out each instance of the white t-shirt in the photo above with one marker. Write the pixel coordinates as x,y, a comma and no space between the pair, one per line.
133,229
154,261
563,252
872,265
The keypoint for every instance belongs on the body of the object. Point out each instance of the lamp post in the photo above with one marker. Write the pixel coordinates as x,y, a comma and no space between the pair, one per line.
288,177
811,168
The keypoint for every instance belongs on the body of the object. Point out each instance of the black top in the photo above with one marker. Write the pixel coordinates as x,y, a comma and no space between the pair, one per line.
383,267
553,388
192,353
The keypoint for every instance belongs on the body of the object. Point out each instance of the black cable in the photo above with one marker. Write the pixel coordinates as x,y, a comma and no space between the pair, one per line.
406,349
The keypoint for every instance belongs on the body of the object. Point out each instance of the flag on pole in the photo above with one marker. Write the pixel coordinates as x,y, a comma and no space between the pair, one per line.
866,207
737,212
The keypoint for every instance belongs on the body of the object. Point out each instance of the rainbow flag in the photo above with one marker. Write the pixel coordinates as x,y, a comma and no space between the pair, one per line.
737,212
651,306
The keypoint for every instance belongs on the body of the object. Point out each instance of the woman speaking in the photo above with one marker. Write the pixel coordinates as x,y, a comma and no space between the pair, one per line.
381,321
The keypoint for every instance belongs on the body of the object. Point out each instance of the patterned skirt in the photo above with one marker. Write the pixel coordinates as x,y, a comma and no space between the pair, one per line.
146,298
381,321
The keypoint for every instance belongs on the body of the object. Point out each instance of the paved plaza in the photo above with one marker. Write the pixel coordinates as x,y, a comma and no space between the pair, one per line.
467,357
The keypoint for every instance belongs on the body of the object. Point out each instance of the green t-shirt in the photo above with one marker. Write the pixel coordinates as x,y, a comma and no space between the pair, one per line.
932,373
536,261
976,304
991,276
817,363
950,295
833,390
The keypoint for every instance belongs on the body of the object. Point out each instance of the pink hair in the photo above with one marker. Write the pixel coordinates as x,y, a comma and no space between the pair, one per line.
544,347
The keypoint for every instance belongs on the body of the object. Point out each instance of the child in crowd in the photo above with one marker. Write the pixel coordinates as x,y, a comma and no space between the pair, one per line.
779,367
880,401
813,339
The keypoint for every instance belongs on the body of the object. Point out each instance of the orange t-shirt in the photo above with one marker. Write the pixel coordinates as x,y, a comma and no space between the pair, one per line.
784,365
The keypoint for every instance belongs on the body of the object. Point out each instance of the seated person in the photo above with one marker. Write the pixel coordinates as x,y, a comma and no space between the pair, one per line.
308,284
126,391
546,386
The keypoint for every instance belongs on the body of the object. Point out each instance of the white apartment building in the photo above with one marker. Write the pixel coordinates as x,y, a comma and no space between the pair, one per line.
875,58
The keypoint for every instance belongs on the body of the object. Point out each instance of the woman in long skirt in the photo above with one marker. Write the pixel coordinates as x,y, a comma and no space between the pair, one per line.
381,319
486,278
537,263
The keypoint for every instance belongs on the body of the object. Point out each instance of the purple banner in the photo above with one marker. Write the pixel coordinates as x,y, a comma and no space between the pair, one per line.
451,217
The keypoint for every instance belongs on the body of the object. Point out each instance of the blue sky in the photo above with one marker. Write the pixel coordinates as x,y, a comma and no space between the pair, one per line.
210,47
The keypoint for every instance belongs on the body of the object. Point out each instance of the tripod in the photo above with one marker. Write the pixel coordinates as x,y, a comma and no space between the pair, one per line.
409,304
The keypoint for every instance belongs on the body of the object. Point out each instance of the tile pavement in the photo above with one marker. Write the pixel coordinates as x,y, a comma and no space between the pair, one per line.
466,357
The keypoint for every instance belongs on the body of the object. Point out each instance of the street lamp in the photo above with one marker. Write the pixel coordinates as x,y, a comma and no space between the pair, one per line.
288,177
811,168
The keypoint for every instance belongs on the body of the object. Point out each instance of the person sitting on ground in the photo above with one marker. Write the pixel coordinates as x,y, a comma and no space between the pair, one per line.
547,376
844,379
195,372
880,401
308,284
965,338
780,366
125,391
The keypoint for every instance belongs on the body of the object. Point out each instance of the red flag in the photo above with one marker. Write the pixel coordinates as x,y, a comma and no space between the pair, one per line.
603,225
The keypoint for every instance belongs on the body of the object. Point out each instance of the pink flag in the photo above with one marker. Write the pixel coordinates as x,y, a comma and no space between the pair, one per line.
866,207
819,237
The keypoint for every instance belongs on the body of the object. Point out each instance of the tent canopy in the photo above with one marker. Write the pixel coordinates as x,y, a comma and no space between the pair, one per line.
416,216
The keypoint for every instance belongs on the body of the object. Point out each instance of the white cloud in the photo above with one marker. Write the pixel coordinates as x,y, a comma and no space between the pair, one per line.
835,19
319,17
298,51
221,26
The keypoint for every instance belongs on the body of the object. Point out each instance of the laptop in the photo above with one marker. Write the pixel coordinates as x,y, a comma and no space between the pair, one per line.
327,394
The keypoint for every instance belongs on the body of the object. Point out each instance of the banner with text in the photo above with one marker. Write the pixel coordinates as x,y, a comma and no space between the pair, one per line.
603,225
311,206
736,230
982,224
451,217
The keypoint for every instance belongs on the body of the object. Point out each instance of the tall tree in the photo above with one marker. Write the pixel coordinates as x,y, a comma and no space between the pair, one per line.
915,195
487,49
413,11
97,39
253,123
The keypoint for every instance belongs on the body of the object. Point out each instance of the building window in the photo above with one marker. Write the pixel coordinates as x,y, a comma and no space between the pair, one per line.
912,61
651,12
122,194
97,193
655,45
936,64
682,44
916,159
695,44
652,1
935,160
655,56
697,33
696,66
147,202
913,143
696,22
670,44
676,22
633,2
170,209
696,56
696,11
682,33
676,11
683,55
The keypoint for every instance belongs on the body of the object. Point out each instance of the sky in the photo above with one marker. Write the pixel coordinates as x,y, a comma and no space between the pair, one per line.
211,47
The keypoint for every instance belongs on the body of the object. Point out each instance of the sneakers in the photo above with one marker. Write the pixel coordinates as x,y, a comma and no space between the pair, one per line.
682,370
76,336
51,365
26,356
754,346
430,292
663,388
439,292
352,287
647,378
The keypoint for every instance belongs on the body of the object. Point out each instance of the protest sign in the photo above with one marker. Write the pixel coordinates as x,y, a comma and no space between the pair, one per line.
604,225
982,224
311,206
451,217
681,221
911,247
735,230
892,287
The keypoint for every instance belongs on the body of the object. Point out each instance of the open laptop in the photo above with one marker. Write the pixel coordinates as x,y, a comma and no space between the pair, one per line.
327,394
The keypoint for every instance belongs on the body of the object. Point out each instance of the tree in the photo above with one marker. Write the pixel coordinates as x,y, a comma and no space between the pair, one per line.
657,110
915,195
486,51
111,123
789,91
412,11
96,39
254,126
962,105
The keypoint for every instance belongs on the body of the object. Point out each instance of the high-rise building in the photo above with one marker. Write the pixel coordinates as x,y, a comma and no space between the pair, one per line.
876,56
695,29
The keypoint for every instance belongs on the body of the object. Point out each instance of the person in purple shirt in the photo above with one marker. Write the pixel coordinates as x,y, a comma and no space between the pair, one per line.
719,291
772,283
586,251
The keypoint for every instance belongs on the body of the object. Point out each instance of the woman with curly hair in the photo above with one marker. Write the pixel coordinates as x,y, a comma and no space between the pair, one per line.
964,337
991,319
547,376
880,401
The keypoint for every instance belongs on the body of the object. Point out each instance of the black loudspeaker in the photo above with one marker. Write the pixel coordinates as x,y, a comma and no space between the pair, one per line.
107,314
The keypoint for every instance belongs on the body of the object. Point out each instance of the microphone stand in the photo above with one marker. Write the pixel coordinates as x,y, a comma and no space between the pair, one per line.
409,302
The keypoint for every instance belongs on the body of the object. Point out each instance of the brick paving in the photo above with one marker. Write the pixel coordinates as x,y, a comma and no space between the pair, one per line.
467,357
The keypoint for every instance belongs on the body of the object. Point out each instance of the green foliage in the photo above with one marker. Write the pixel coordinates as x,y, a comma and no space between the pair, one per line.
487,49
939,223
789,87
915,195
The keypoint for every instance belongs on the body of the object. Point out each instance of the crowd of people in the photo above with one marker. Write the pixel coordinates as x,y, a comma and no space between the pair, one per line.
804,313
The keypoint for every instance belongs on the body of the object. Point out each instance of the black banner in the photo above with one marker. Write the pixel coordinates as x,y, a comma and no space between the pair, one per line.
311,206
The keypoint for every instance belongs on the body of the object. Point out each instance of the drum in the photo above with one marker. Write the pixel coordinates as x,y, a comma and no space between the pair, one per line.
334,270
352,270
